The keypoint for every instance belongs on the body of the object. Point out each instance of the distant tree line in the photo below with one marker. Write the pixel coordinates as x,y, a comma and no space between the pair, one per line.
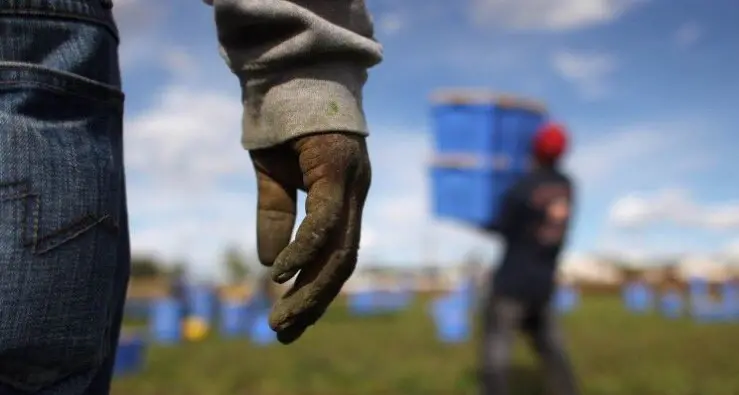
237,266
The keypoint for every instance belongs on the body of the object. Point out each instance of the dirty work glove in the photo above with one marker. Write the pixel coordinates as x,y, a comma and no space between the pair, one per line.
334,170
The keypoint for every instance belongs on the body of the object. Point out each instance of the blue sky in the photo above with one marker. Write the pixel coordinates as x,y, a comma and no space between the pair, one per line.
647,87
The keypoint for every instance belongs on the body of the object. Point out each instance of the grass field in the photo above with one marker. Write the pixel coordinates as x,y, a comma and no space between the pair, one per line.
614,352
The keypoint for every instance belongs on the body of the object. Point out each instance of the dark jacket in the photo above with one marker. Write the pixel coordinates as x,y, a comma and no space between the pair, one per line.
534,221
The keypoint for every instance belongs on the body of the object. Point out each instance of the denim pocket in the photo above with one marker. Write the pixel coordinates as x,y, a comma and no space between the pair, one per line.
60,198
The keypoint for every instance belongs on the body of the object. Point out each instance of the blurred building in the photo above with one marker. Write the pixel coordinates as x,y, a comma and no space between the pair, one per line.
705,267
360,281
585,268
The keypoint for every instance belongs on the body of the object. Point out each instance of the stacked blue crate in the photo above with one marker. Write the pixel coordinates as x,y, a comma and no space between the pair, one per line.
482,145
566,298
257,319
730,299
374,302
452,312
451,317
202,303
234,318
672,304
362,303
638,297
166,321
129,358
260,332
702,306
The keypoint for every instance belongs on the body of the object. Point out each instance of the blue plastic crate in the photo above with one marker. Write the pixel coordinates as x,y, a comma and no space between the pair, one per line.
698,287
672,304
705,310
566,299
638,297
362,303
482,145
165,323
259,331
234,318
379,302
486,129
464,128
202,303
730,296
471,196
129,358
451,319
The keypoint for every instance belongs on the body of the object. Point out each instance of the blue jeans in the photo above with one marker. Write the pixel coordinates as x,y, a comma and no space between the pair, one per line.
64,243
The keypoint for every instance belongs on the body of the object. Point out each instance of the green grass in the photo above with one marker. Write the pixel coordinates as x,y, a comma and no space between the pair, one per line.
614,353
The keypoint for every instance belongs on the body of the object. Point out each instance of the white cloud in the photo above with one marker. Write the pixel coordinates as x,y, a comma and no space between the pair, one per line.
188,138
731,249
634,155
180,62
548,15
632,158
589,72
675,206
688,35
390,23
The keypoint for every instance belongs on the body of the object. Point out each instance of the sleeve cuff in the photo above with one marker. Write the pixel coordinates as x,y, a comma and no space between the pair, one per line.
318,99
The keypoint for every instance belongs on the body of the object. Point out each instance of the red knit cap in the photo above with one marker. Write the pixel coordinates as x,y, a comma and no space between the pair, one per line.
550,142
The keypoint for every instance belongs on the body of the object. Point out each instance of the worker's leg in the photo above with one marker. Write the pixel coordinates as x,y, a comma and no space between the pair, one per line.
500,318
64,255
548,342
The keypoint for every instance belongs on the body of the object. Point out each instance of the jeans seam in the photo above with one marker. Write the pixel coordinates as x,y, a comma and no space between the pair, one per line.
73,81
21,194
74,10
30,235
61,15
5,84
78,228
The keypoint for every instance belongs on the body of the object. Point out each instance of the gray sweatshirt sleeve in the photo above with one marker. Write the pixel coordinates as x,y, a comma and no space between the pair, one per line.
302,65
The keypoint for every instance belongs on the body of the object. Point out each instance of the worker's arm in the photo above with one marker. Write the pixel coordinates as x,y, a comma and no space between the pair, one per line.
507,216
301,63
572,209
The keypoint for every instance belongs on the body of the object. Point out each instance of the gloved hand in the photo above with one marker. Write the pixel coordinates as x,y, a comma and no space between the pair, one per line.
334,169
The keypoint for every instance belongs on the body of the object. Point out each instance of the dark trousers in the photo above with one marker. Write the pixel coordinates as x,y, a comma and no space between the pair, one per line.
502,318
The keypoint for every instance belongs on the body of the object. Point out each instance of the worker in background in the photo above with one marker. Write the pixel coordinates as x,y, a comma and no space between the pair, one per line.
179,291
301,66
533,221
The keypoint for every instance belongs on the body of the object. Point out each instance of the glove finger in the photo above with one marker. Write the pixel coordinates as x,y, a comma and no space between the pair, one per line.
276,213
290,334
313,291
323,207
